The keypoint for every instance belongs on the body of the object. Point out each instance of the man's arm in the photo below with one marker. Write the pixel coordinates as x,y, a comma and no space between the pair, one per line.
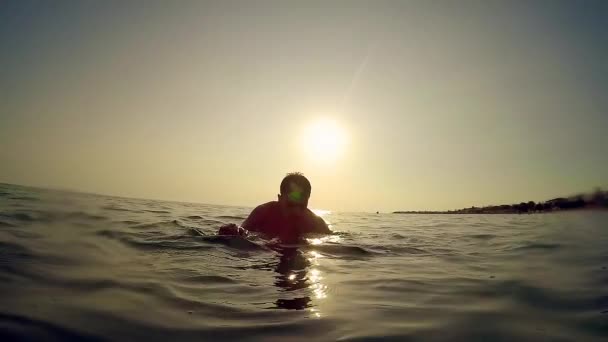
232,229
254,221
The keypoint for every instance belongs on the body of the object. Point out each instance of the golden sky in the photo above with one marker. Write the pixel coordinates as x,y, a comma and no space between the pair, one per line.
384,105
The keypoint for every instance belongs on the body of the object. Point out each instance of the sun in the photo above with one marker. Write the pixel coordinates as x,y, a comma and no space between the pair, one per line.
324,140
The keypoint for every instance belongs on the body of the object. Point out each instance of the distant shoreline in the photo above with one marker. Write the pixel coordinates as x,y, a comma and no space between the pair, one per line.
453,212
598,200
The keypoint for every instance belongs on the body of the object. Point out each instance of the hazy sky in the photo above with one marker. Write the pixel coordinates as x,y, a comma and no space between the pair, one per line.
444,104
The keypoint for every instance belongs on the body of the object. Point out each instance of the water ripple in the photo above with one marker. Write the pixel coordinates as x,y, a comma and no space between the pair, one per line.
89,267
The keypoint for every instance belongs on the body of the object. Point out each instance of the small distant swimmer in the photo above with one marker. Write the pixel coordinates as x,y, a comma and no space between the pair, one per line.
288,219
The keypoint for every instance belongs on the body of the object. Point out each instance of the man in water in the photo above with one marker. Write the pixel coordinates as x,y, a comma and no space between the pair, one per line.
288,219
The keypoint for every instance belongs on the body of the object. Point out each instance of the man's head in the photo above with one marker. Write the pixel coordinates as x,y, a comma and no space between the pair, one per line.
295,190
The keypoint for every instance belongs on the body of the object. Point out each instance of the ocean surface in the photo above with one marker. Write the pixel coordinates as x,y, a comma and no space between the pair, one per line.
90,267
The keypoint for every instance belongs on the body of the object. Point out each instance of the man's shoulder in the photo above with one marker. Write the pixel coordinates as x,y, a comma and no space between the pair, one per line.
266,207
318,222
259,215
313,215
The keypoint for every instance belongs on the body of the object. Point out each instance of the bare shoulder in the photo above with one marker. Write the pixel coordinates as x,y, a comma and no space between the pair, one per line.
266,206
257,216
319,224
264,209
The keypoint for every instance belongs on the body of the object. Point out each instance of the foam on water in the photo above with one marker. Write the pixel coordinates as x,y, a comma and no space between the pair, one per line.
89,267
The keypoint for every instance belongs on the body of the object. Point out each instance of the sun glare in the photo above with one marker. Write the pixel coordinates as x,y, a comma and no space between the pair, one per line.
324,140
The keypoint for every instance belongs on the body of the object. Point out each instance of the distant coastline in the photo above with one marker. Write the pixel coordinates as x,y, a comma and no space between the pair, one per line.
596,200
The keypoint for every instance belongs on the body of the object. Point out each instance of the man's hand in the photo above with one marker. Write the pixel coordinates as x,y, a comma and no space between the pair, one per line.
232,229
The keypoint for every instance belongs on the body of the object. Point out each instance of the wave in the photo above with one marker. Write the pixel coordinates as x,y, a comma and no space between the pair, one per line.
114,208
72,268
7,224
483,236
19,328
23,198
156,211
538,246
32,216
161,225
231,217
235,242
401,250
9,252
22,217
342,250
208,279
154,240
130,222
538,297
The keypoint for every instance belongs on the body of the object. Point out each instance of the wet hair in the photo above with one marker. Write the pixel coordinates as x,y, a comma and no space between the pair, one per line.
298,179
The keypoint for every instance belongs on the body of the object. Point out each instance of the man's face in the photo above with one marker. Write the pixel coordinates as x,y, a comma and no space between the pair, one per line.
295,201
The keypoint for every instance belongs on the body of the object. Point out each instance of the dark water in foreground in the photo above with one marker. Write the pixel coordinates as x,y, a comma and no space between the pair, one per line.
89,267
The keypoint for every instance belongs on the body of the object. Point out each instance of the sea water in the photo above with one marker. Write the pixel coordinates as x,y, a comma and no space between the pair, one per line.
89,267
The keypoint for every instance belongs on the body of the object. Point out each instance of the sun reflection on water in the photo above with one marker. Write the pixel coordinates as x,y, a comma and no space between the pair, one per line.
317,287
314,255
321,212
301,280
324,239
